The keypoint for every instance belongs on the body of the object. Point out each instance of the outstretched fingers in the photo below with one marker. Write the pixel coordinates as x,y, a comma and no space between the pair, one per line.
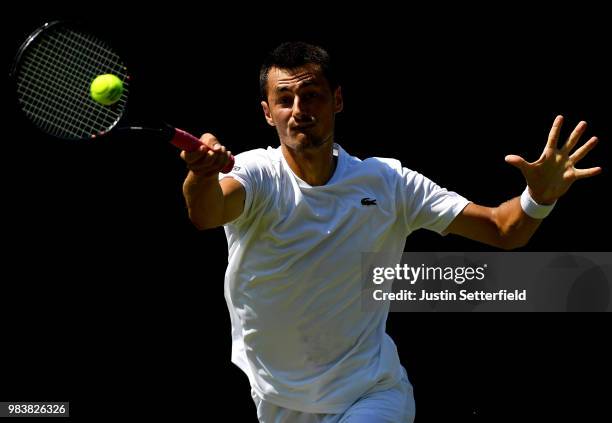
553,135
580,153
574,137
517,161
587,173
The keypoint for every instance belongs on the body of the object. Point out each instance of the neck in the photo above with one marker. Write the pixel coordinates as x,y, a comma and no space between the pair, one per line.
315,166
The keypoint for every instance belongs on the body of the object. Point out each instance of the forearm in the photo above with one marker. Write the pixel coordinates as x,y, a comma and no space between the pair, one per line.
514,225
204,198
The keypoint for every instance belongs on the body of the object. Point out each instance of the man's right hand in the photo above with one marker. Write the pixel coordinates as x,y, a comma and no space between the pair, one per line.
209,159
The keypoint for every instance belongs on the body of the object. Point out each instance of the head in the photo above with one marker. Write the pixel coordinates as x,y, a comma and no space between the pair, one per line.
301,95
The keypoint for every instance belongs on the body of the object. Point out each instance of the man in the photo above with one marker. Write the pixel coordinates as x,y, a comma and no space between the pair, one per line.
297,219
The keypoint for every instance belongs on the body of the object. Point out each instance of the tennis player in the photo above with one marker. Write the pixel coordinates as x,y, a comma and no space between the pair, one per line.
297,218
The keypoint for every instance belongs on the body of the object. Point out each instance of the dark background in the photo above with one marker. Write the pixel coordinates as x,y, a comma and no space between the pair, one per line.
112,300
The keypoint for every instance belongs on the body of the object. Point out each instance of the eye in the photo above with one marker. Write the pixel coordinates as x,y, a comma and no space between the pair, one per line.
285,101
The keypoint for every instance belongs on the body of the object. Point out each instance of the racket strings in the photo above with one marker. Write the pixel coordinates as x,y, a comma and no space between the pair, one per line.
43,90
76,56
54,81
61,99
44,97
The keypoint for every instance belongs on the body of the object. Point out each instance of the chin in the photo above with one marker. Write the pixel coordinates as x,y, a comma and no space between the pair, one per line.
311,144
303,141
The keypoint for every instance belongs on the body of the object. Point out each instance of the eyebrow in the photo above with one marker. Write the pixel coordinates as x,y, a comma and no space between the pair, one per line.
301,85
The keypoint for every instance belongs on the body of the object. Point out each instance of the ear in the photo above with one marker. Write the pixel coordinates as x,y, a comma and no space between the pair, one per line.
267,115
339,103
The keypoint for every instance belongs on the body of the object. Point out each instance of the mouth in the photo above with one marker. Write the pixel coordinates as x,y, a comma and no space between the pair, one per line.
299,128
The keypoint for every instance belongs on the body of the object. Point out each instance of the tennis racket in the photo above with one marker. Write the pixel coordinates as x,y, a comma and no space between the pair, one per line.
53,72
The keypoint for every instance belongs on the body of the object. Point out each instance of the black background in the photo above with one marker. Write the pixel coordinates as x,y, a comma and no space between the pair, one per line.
112,300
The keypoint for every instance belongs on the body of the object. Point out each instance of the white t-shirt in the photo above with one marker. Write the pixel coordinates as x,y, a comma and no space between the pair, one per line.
293,282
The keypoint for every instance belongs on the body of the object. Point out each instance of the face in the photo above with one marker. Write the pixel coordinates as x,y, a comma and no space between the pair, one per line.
301,106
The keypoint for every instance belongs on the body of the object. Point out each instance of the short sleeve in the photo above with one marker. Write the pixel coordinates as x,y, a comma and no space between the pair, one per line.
424,204
250,169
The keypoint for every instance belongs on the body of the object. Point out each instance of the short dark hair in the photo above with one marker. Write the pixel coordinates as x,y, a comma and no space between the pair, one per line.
295,54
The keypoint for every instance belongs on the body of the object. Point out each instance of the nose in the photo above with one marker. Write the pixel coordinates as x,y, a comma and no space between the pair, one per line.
297,106
299,112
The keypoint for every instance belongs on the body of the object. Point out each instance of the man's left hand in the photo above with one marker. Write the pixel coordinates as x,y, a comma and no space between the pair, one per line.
553,173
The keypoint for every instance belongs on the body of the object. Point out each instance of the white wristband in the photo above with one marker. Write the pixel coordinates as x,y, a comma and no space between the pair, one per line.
533,209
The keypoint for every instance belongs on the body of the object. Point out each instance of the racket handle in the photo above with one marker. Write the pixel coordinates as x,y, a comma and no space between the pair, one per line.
185,141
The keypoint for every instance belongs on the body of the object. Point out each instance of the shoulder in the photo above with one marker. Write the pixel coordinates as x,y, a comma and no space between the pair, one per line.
391,172
258,163
383,164
390,169
258,157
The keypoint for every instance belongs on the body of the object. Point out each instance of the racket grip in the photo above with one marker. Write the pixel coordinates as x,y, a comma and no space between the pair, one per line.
185,141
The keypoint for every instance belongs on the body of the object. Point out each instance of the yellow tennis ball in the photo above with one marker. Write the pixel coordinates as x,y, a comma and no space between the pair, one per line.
106,89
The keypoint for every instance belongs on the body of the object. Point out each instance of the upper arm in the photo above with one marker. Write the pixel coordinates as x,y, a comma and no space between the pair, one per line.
234,196
477,223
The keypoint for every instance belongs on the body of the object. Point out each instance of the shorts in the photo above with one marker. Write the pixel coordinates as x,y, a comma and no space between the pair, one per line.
394,405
